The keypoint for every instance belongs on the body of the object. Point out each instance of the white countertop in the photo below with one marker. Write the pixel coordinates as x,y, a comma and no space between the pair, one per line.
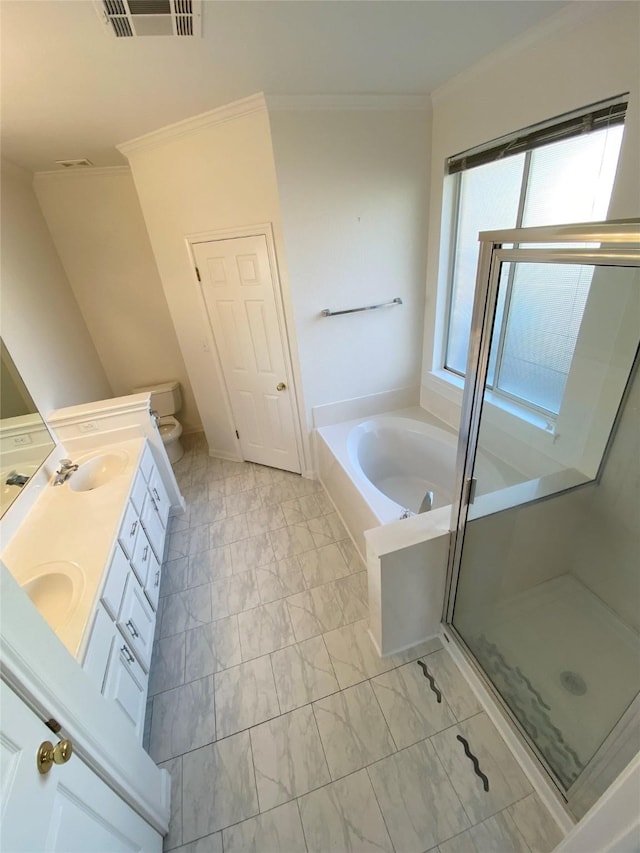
73,533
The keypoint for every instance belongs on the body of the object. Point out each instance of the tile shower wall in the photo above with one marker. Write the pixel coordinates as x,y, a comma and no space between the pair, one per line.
282,729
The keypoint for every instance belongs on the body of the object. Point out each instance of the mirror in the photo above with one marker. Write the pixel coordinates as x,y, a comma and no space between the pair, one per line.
25,441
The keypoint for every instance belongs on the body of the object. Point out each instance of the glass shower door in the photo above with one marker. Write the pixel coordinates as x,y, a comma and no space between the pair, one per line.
545,590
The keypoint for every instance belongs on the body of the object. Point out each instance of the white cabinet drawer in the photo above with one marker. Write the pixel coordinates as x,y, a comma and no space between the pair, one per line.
139,492
137,622
113,591
141,555
147,465
152,586
147,568
126,684
129,530
160,496
99,647
153,526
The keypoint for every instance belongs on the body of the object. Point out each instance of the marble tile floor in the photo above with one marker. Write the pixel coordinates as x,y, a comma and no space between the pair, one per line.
282,729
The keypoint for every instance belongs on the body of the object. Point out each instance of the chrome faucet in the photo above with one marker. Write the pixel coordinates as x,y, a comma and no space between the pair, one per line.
66,470
15,479
427,503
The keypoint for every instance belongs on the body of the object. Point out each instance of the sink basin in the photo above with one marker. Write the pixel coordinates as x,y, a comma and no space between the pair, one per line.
55,589
97,471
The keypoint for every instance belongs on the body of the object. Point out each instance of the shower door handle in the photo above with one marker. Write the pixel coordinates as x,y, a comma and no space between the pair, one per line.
470,489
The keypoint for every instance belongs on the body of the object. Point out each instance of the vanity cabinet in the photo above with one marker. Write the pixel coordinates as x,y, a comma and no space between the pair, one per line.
114,668
137,622
147,568
118,655
126,683
129,530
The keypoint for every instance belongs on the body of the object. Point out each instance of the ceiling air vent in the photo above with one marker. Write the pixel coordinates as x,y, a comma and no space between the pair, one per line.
74,164
129,18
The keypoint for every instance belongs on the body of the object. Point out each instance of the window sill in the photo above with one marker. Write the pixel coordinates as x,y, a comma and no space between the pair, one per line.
452,386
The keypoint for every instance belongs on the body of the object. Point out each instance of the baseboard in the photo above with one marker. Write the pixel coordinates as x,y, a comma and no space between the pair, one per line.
219,454
374,643
404,648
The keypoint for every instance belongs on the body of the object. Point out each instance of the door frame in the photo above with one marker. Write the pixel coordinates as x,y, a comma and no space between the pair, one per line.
286,327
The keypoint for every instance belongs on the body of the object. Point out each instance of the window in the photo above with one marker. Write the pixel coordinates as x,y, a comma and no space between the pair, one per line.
558,172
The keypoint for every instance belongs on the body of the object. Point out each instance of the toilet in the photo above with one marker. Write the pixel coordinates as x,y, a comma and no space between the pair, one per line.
166,400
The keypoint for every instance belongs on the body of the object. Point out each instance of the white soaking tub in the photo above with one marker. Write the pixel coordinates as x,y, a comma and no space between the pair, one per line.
378,470
403,459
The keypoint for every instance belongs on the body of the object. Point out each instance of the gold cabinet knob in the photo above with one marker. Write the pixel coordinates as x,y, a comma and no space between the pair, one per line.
48,754
280,386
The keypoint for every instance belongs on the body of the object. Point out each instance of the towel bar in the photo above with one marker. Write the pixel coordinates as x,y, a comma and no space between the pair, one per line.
327,312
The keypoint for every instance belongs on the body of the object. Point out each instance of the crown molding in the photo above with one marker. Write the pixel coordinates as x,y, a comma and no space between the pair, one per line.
82,172
354,102
195,124
566,19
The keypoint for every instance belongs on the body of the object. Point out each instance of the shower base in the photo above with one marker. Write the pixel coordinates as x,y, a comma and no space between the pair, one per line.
563,661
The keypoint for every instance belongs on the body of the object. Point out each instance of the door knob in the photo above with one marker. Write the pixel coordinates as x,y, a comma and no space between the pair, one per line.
48,754
280,386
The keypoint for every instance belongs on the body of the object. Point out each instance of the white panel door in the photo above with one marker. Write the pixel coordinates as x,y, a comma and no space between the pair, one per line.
238,290
70,809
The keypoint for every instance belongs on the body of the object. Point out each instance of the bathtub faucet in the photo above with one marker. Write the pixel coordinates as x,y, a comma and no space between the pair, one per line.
427,503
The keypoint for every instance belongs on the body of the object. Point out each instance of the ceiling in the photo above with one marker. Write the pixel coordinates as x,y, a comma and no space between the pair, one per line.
71,90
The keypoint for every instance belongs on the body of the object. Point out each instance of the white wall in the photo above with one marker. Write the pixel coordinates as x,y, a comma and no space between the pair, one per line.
42,326
353,190
217,175
583,55
97,226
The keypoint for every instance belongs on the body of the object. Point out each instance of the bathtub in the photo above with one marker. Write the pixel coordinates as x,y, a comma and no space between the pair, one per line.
392,461
398,460
378,470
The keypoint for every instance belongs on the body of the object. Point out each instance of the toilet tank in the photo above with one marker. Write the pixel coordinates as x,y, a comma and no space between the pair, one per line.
166,398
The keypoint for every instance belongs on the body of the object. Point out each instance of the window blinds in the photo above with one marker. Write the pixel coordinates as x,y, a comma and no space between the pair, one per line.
597,116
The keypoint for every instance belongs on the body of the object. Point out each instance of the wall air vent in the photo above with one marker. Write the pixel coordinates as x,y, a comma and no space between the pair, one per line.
131,18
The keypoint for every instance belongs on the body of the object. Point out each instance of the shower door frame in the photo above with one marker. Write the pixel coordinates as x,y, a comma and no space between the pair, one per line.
621,248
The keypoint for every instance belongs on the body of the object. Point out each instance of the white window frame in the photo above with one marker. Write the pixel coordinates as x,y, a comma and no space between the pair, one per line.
524,141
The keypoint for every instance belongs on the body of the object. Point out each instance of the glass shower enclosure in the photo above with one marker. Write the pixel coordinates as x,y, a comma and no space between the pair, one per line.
544,571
